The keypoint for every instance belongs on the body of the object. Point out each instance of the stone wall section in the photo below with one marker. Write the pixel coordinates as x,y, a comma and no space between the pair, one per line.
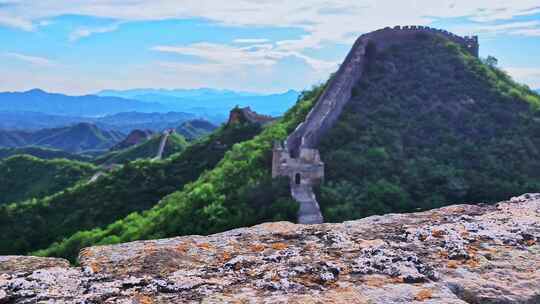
298,158
162,143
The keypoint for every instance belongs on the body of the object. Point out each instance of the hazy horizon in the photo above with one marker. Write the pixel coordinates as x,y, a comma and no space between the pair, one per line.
99,92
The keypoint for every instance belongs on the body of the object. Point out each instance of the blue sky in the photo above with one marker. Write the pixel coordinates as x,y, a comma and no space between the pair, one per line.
83,46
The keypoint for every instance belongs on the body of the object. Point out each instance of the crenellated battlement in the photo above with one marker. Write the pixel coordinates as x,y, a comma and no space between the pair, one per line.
469,43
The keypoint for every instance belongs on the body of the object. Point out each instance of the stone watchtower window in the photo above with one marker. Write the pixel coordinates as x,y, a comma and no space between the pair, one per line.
297,178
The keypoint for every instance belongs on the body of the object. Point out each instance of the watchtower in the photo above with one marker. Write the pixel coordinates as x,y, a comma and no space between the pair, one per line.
307,169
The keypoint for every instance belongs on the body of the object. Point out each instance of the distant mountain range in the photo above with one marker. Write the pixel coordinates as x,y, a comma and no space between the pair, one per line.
95,123
85,137
123,122
26,120
59,104
124,111
210,103
194,94
78,138
128,121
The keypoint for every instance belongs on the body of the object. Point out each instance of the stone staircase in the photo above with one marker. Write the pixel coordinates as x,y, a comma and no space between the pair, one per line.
309,212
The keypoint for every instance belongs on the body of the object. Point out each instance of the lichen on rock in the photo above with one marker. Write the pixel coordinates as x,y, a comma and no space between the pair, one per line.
456,254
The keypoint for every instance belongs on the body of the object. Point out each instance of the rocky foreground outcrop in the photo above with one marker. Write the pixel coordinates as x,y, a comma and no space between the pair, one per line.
456,254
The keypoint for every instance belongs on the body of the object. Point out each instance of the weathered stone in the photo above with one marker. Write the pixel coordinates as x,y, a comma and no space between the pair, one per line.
14,264
457,254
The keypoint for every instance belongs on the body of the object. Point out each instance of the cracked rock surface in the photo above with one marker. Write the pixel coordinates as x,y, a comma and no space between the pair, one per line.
456,254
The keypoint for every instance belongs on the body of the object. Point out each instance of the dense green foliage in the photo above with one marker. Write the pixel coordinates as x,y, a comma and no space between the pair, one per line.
196,128
148,149
428,126
77,138
43,153
239,191
24,176
136,186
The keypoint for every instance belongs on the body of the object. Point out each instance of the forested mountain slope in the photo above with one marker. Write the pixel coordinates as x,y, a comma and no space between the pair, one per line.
429,125
239,191
43,153
76,138
25,177
136,186
148,149
195,128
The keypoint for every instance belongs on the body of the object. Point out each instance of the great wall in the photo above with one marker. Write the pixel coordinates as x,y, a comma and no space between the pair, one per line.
162,143
159,155
298,157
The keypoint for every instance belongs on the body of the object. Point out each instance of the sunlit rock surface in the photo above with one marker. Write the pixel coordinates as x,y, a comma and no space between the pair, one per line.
456,254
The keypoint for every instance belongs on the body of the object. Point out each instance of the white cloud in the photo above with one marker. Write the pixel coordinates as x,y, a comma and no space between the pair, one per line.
44,23
225,54
85,32
501,11
321,66
36,61
532,32
531,76
252,55
525,28
21,23
257,67
250,40
169,75
510,26
323,20
14,22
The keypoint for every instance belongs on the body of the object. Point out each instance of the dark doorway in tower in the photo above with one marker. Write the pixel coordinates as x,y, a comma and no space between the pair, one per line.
297,178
